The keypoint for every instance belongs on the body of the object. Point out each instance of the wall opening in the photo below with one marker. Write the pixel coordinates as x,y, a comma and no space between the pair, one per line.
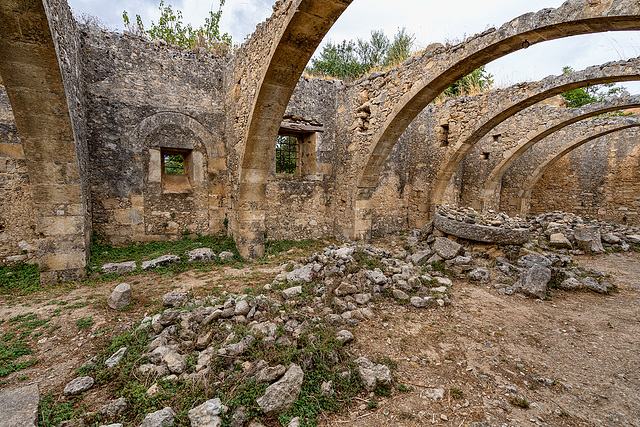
443,135
176,170
485,155
497,138
287,154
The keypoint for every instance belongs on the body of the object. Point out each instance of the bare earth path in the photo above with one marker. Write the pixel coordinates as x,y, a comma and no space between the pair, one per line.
575,359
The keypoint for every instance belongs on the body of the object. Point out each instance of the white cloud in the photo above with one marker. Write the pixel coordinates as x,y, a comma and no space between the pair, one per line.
429,21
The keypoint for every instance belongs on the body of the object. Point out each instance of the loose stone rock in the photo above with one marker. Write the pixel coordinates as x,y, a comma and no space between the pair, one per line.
119,268
113,408
202,255
344,336
78,385
398,294
418,302
560,241
280,396
120,297
268,375
116,357
174,299
162,261
206,415
292,292
446,248
226,256
161,418
534,281
373,374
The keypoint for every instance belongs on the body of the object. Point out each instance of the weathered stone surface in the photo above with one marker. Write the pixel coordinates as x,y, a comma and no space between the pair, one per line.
401,295
119,268
588,239
20,407
559,240
207,414
376,276
480,233
479,275
418,302
174,299
534,281
421,257
242,308
373,374
202,255
529,261
162,261
344,336
116,357
446,248
571,284
161,418
113,408
120,297
292,292
633,238
78,385
301,275
270,374
280,396
226,256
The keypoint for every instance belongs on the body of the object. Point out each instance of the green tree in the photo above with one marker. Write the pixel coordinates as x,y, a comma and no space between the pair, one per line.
478,81
171,28
350,60
589,94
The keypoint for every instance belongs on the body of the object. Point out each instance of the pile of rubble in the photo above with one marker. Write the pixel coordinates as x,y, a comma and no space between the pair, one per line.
491,218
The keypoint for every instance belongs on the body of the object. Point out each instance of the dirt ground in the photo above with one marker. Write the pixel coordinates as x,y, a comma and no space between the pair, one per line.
574,358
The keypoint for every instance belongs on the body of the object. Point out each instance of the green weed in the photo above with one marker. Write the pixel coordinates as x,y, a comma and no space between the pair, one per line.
19,279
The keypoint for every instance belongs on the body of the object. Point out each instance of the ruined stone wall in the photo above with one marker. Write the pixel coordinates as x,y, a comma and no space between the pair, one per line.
601,179
18,240
144,97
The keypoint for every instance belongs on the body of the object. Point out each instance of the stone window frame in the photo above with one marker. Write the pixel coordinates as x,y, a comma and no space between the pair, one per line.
307,138
177,184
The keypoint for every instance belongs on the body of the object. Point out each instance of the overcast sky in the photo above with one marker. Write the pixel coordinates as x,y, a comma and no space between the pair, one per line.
429,20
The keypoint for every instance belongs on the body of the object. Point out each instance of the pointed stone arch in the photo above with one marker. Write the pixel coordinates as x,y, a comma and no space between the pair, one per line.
570,116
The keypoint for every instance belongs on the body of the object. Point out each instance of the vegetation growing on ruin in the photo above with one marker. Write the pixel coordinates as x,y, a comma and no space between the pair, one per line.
590,93
19,279
172,29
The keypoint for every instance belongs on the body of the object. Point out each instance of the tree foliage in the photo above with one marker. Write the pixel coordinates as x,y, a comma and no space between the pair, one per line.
589,94
478,81
171,28
350,60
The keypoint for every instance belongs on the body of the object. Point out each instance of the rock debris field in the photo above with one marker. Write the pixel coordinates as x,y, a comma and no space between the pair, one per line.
439,326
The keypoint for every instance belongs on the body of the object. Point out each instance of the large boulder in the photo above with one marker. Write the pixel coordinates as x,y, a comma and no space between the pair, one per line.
534,281
120,297
301,275
281,395
202,255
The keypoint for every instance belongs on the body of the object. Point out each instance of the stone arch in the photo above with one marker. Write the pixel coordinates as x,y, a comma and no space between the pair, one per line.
567,148
446,66
303,32
572,115
211,174
34,82
550,86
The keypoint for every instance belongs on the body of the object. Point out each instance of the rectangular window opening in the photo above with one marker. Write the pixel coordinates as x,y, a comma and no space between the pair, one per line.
286,154
497,138
176,170
444,135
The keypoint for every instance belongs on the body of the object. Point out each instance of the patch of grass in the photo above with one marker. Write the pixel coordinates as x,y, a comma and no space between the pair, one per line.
363,259
520,402
19,279
14,345
456,393
84,322
388,362
403,388
103,253
52,412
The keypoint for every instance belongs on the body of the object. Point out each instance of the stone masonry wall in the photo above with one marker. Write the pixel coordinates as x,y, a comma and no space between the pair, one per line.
601,179
143,97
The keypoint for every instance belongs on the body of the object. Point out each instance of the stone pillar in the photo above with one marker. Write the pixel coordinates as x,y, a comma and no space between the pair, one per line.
31,73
